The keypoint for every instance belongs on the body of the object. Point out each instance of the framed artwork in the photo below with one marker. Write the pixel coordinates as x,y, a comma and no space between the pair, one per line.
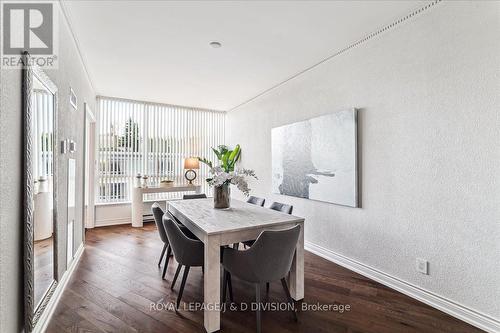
317,158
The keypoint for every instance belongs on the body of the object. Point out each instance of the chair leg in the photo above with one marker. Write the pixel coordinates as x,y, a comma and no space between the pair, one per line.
226,282
230,285
183,283
179,266
162,253
169,250
289,298
257,302
224,286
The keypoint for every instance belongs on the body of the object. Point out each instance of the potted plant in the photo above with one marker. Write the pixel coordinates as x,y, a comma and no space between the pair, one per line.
224,174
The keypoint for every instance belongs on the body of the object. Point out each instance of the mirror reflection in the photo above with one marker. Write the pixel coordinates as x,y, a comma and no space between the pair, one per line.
43,105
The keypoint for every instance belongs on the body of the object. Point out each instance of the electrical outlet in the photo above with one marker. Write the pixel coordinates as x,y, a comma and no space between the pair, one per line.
422,266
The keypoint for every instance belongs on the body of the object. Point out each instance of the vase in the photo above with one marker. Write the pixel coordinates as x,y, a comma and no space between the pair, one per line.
222,196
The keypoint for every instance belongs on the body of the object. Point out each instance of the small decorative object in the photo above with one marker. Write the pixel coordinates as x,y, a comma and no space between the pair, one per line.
145,181
317,159
138,180
71,146
166,183
190,164
225,174
73,99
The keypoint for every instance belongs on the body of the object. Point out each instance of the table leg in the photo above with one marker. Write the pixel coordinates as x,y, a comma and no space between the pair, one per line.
137,207
211,284
297,271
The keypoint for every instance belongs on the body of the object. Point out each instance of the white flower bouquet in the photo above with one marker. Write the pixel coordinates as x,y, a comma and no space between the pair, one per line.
238,177
223,175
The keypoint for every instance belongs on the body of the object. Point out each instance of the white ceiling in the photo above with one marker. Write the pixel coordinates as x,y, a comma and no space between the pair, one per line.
159,50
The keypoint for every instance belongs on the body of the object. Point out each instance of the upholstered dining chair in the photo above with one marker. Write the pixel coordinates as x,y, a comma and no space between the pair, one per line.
256,201
269,259
172,217
186,231
158,217
188,253
194,196
281,207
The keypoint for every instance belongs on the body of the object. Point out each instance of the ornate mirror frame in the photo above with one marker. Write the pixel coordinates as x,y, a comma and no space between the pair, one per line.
32,312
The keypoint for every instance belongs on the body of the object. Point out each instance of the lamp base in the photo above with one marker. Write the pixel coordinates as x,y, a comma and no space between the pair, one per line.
190,175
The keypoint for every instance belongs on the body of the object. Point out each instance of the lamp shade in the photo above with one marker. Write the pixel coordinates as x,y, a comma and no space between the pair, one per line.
191,163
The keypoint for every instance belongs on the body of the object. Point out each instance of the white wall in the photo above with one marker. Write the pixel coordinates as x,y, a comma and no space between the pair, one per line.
428,91
71,73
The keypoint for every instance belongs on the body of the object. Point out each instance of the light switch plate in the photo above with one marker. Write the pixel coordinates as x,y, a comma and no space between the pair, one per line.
64,147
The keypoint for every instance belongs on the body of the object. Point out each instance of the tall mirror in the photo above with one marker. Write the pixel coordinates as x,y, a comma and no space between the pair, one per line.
40,110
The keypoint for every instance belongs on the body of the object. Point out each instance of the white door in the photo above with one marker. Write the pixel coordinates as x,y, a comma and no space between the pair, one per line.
89,195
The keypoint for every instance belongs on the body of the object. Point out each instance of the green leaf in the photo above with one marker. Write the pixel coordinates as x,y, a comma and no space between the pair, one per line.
204,160
234,153
217,153
233,157
223,149
237,156
225,158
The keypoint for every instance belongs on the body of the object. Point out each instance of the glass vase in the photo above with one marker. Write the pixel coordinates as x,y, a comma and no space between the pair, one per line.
222,196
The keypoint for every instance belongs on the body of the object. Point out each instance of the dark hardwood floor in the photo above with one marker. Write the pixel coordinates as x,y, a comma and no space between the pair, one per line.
43,261
117,287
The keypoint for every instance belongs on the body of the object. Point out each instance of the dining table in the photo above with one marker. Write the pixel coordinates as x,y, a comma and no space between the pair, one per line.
219,227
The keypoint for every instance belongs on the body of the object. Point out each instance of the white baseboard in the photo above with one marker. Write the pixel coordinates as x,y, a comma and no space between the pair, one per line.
44,319
452,308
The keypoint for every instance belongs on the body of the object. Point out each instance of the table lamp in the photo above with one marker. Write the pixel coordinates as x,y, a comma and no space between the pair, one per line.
190,164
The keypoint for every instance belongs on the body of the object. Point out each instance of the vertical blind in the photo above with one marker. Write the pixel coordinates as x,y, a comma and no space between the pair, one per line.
43,129
152,140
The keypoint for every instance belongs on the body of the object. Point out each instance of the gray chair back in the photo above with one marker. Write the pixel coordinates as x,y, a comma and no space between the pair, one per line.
194,196
269,258
188,252
158,216
281,207
256,201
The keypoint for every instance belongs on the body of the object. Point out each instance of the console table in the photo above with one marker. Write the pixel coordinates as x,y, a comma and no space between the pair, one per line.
138,194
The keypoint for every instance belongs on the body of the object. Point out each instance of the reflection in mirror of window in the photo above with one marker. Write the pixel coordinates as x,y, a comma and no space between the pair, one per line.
42,101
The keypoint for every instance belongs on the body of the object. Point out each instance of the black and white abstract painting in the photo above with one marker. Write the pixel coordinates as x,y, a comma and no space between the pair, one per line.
317,158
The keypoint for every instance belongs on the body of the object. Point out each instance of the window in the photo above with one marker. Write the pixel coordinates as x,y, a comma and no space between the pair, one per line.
152,140
43,124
